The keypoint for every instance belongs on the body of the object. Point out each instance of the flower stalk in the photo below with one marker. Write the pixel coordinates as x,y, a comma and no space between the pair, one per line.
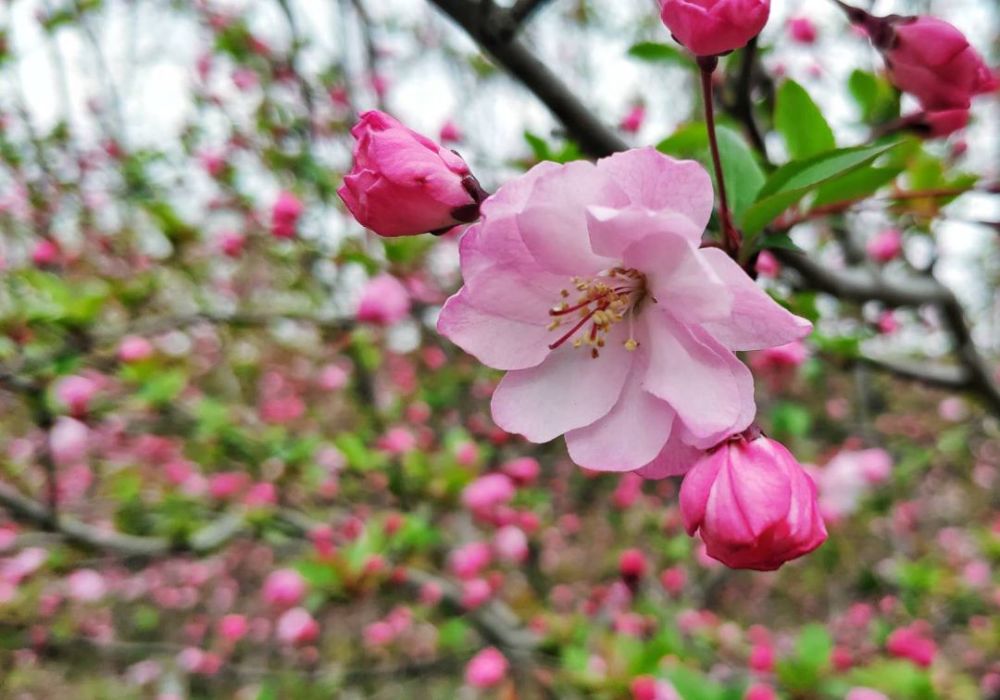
731,237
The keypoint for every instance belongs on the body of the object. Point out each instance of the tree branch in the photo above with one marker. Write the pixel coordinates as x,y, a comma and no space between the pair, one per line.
593,137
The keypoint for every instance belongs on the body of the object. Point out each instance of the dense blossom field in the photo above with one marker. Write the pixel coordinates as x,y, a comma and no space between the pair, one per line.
471,349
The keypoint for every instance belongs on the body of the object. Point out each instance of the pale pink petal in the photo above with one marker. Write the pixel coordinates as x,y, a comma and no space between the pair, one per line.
676,458
553,224
706,385
660,183
500,343
757,320
629,436
679,279
612,230
570,389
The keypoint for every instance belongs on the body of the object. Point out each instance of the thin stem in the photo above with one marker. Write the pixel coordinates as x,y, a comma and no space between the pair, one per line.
731,237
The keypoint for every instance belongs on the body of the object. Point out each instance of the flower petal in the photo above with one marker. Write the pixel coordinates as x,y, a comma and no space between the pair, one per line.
553,223
708,387
660,183
500,343
676,458
629,436
570,389
757,321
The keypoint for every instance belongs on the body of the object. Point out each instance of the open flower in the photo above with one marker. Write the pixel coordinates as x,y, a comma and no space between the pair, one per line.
587,283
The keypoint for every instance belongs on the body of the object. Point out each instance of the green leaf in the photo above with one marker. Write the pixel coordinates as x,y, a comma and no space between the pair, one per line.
857,185
660,53
801,123
877,99
744,176
790,183
692,685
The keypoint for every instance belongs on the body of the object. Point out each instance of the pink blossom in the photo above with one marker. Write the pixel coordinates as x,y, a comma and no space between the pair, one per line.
378,634
333,377
22,565
714,27
848,477
231,243
403,183
632,122
475,593
753,504
134,348
487,492
673,580
233,628
933,61
86,586
523,470
802,30
938,124
762,658
912,643
632,564
285,213
865,694
397,440
450,133
68,441
759,691
486,669
588,284
245,79
284,588
76,392
649,688
384,301
511,544
261,495
470,559
46,252
768,265
297,626
887,323
225,485
885,246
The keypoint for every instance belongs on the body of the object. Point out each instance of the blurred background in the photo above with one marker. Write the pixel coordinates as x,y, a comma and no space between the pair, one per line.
219,479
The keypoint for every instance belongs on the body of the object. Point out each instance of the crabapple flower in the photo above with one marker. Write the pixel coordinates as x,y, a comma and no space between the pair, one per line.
76,392
285,215
488,492
297,626
714,27
86,586
932,60
753,504
912,643
649,688
486,669
284,588
68,442
384,301
802,30
586,282
402,183
845,480
135,348
885,246
865,694
632,122
937,124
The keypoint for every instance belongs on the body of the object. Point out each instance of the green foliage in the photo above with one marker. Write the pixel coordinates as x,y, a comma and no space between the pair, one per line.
654,52
811,660
801,122
877,100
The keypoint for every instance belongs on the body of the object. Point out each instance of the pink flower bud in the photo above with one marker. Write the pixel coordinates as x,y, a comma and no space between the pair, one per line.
285,215
802,30
384,301
649,688
284,588
673,580
231,243
912,643
942,123
511,544
865,694
632,565
760,692
297,626
470,559
475,593
86,586
934,62
397,441
225,485
753,505
233,628
523,471
68,442
46,253
76,392
762,658
714,27
633,121
486,669
403,183
768,265
885,246
450,133
487,492
134,348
